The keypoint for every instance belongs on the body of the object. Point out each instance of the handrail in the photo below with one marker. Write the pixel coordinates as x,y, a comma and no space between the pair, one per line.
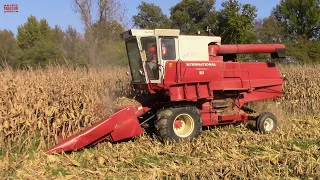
148,74
180,69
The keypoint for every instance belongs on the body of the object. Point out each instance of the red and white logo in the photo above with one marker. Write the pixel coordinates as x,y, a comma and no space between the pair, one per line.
10,8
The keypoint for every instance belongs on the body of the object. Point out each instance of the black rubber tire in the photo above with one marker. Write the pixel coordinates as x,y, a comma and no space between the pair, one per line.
262,119
165,119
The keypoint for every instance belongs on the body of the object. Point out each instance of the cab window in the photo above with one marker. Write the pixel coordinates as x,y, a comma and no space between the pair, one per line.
149,45
168,49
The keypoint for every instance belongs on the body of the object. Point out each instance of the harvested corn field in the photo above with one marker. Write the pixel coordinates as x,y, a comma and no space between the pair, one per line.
39,106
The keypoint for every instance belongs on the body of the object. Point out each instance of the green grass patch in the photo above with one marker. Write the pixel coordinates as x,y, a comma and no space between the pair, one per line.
8,173
232,130
147,159
26,144
124,166
252,150
56,172
276,147
317,142
211,133
304,144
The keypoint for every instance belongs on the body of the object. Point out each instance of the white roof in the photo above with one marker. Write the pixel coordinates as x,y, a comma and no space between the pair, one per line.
159,32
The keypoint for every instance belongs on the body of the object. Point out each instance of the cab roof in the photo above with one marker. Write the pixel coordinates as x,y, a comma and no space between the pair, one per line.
155,32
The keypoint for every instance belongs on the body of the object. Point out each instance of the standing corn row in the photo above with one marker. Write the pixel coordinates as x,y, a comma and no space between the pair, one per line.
38,106
302,89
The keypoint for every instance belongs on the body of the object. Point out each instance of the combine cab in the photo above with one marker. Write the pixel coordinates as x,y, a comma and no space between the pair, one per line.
191,82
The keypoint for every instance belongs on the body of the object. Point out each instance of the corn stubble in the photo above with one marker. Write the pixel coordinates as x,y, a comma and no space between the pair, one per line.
41,106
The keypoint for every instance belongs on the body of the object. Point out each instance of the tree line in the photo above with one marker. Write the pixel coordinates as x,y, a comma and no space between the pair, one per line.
296,23
39,45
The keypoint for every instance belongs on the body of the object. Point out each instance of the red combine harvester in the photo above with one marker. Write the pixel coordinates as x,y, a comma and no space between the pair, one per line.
190,82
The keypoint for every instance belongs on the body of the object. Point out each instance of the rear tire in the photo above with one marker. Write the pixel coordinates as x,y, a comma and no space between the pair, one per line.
178,124
267,122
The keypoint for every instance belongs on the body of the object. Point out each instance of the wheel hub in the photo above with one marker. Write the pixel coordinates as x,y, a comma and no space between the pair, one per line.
183,125
268,124
178,124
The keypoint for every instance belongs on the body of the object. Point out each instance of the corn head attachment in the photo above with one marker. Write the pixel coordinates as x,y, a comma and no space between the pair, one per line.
119,126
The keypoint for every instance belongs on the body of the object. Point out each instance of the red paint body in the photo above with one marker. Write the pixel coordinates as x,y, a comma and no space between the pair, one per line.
254,81
199,82
124,120
183,82
244,48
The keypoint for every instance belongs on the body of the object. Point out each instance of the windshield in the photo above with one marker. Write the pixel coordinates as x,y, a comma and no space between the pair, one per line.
135,61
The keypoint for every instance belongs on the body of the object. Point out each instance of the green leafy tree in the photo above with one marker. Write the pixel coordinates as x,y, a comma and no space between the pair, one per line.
28,33
74,48
235,22
56,41
8,47
57,36
268,30
191,16
40,44
304,51
110,49
300,18
150,16
71,44
105,31
44,29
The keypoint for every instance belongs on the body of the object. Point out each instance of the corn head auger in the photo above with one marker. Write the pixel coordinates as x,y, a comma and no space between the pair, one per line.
190,82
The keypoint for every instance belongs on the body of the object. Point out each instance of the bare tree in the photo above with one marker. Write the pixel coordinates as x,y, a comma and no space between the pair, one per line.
99,17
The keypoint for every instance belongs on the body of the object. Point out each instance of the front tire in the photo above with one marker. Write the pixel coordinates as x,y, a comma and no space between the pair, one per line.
267,122
178,124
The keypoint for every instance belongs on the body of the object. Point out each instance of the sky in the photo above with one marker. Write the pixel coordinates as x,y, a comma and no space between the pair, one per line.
60,12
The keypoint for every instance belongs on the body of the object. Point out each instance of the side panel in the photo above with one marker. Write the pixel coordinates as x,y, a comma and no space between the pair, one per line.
260,80
252,74
190,91
211,118
171,73
236,77
190,71
223,75
201,71
262,94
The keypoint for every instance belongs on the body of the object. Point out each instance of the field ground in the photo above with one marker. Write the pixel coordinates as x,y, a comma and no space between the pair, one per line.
35,105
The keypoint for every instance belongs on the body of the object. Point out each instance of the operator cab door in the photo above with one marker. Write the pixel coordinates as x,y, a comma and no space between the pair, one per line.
169,49
158,50
168,46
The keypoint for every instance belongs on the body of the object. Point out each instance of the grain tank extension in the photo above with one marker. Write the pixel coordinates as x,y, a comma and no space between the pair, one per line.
191,82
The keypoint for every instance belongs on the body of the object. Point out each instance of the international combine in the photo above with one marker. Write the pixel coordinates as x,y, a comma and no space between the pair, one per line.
188,82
